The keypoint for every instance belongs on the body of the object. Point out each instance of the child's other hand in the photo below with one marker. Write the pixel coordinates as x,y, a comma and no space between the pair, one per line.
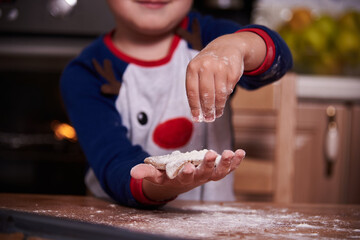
157,186
212,75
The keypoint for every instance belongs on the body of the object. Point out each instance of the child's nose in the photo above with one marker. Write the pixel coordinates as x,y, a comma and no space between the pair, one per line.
173,133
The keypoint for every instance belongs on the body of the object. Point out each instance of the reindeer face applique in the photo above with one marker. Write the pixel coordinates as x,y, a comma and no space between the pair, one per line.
152,104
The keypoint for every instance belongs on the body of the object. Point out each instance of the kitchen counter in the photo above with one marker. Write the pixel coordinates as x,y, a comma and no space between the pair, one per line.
78,217
333,88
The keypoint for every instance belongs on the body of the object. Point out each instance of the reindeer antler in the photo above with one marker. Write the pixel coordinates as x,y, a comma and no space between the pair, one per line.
113,87
193,37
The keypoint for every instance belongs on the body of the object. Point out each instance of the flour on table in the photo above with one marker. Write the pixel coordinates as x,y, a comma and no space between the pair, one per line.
173,163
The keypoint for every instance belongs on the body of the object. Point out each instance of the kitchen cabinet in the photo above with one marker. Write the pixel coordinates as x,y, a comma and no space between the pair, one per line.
318,180
312,181
353,193
264,126
320,175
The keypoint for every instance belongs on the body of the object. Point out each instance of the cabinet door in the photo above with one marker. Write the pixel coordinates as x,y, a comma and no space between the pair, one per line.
353,185
312,182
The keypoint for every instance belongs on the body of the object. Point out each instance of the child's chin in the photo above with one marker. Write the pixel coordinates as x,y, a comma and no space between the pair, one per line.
154,29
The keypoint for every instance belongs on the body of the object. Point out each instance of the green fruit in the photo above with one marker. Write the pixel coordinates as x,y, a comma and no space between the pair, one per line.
313,42
324,45
330,63
348,45
327,25
350,20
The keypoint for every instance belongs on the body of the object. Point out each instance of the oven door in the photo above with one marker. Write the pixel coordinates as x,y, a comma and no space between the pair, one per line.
39,152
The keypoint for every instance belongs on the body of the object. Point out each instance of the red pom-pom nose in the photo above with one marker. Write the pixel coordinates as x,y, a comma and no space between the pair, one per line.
173,133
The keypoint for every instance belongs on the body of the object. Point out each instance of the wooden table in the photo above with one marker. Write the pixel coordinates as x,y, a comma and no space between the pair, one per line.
76,217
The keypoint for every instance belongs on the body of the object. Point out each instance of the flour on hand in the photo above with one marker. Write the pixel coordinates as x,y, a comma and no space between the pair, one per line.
173,163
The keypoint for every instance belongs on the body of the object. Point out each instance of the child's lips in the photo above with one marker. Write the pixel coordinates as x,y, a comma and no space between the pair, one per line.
153,4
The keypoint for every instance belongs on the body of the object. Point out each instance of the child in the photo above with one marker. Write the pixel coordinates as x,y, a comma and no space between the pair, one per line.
135,91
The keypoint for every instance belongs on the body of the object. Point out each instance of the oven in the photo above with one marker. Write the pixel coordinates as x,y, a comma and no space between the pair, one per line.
39,152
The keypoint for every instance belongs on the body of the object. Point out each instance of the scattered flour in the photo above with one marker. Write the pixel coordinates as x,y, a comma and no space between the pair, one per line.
216,221
305,225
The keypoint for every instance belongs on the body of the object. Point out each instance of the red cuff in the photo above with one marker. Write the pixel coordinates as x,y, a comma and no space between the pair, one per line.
270,51
138,194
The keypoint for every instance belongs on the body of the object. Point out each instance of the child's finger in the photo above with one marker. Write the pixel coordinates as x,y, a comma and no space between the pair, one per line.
223,168
192,91
206,168
239,156
221,92
186,174
207,94
147,171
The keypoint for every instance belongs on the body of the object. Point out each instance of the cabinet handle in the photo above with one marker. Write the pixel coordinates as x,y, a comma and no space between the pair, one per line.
331,140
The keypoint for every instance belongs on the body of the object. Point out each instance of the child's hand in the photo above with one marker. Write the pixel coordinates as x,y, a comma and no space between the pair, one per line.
212,75
157,186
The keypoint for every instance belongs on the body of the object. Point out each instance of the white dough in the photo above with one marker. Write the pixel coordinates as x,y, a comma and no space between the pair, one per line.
172,163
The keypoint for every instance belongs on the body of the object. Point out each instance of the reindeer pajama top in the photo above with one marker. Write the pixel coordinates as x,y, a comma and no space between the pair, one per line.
125,109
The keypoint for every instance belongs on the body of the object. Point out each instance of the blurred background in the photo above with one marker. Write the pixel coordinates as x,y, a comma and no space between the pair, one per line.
324,36
39,152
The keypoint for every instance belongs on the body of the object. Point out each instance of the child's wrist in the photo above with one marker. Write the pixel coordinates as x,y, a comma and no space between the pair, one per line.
137,190
158,193
259,36
253,49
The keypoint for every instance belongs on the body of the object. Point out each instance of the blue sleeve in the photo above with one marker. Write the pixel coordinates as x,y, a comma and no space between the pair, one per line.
212,28
100,131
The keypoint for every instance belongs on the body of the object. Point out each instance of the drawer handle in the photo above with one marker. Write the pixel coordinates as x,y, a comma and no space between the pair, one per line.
331,140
